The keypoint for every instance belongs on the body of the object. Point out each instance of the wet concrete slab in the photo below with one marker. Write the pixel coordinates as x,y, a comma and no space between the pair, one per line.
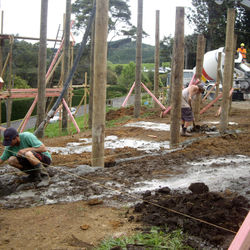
71,184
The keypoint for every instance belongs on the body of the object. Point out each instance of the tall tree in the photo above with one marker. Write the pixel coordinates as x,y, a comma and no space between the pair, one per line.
210,18
119,15
166,48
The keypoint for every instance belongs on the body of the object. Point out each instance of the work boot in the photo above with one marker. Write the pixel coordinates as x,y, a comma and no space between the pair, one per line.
185,133
31,178
44,176
32,175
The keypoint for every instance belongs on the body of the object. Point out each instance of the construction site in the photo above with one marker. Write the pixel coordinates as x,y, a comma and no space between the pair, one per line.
140,173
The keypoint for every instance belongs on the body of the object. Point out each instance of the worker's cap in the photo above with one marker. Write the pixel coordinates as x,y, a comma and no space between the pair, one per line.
242,45
9,134
201,87
1,79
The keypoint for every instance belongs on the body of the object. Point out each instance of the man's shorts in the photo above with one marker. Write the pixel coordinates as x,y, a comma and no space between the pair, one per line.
187,114
45,160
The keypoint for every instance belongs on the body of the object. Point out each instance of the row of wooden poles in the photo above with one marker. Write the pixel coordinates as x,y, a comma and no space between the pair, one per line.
100,59
100,71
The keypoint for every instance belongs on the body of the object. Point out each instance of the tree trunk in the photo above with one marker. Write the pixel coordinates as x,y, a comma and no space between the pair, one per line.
100,81
42,67
157,57
137,109
227,75
177,77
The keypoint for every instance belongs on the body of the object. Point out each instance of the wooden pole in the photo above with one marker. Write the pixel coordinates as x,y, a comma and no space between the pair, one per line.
218,75
171,77
177,77
9,100
91,74
85,101
227,69
42,67
66,59
100,81
1,45
137,109
232,73
1,61
157,57
199,67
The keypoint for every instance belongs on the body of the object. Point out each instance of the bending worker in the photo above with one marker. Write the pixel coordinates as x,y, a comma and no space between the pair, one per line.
27,153
187,115
243,52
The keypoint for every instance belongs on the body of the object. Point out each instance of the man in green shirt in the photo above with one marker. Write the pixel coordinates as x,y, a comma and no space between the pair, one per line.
27,153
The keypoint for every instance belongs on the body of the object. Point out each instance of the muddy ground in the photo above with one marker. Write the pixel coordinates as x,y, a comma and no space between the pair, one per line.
141,185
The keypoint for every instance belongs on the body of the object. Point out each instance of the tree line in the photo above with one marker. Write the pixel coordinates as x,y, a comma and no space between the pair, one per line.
205,16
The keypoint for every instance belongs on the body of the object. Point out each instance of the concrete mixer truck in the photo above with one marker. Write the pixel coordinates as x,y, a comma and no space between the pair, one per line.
241,82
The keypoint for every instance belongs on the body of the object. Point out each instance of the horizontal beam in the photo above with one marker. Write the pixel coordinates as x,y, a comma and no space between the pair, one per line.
5,36
28,93
32,90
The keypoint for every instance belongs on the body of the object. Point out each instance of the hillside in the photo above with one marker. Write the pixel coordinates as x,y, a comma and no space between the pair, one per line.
124,51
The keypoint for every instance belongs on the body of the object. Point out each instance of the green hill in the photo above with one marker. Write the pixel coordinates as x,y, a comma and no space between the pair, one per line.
124,51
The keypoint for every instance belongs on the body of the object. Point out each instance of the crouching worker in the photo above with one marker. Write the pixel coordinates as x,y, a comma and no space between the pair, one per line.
187,115
27,153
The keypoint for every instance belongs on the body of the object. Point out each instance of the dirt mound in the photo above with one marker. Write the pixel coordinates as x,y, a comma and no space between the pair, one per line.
116,114
225,210
128,111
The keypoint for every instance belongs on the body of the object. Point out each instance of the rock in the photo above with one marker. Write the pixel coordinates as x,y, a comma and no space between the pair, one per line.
198,188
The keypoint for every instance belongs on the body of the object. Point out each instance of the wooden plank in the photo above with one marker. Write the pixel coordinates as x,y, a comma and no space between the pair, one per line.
242,239
29,93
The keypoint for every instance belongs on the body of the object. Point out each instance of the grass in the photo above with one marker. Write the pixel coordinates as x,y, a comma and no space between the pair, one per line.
54,130
154,239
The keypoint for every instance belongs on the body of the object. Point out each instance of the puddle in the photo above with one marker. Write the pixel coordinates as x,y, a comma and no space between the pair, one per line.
218,174
229,123
111,142
149,125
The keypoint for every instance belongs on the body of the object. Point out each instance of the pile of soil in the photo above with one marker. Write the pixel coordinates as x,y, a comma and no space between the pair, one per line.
220,210
121,112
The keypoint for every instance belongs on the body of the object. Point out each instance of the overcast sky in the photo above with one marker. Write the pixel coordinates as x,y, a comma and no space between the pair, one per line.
22,17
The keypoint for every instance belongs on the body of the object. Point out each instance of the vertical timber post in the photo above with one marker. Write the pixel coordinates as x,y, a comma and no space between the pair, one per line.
177,77
100,81
157,57
42,66
232,73
1,44
199,66
137,108
91,73
9,100
1,61
171,76
66,63
227,74
218,75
